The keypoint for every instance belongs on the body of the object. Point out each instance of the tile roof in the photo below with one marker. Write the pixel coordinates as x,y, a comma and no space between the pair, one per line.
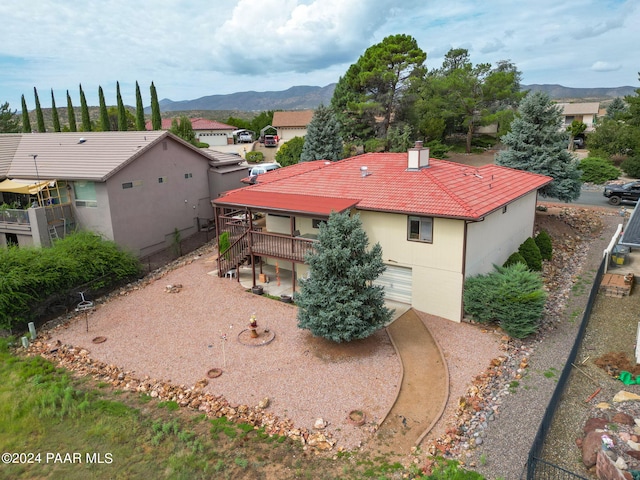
443,189
297,118
196,123
8,144
63,156
579,108
309,204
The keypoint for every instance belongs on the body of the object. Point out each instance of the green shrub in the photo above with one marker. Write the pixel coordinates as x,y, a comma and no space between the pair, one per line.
31,275
515,257
598,170
511,296
543,240
202,145
375,145
224,243
631,166
254,157
437,149
531,254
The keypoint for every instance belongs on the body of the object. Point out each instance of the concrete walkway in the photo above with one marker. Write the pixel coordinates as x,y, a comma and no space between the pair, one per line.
424,390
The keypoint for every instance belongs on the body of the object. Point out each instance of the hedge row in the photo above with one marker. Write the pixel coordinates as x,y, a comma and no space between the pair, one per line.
31,275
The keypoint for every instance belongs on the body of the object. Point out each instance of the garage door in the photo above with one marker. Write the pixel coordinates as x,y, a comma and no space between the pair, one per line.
397,284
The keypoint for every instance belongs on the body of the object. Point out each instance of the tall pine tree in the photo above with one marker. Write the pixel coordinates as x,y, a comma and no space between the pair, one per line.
156,119
104,114
538,143
71,114
54,114
26,122
122,114
323,140
338,301
84,111
39,114
8,119
139,109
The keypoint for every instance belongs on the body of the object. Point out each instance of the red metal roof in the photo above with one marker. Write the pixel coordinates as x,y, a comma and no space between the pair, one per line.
309,204
443,189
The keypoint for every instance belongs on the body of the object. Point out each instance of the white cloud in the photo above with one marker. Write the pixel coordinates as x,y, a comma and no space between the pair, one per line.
605,67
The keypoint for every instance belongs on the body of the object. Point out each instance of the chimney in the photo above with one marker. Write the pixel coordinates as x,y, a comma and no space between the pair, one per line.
418,157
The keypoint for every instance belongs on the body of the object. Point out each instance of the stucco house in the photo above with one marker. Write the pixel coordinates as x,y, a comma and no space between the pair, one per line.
586,113
135,188
438,222
207,131
292,124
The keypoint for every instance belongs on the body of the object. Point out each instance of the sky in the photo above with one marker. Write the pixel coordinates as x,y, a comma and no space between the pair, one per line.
196,48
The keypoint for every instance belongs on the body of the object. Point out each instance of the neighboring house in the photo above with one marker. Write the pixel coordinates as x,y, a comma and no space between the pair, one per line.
292,123
135,188
586,113
438,222
207,131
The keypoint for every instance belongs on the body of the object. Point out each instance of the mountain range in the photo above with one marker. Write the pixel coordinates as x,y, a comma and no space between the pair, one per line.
308,97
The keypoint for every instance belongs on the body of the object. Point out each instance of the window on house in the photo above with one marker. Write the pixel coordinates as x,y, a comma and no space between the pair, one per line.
420,229
127,185
85,193
504,209
162,179
188,175
315,222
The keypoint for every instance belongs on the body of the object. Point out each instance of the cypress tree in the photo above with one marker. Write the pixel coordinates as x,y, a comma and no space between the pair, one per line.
139,109
122,115
105,124
156,119
26,123
39,115
84,111
54,114
72,115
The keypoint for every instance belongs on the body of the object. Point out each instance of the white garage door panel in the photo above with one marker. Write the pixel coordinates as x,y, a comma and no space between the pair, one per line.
397,284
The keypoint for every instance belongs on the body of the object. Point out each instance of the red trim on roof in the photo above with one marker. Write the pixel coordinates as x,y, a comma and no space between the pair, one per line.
196,123
309,204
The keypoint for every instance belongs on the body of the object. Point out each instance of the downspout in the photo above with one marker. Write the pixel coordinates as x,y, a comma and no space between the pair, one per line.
464,268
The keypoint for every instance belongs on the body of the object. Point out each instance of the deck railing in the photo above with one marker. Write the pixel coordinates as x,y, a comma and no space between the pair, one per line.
280,246
14,216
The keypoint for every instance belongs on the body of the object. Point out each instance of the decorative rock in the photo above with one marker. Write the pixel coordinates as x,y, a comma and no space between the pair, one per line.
591,444
595,424
319,424
623,418
264,403
633,445
624,396
603,406
621,464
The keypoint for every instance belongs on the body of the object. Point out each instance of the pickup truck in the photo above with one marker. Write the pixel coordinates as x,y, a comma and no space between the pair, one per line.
629,192
270,141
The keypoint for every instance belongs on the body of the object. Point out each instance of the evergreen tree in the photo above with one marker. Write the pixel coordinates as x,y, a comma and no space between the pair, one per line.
139,109
183,128
338,301
72,115
39,114
538,143
104,114
323,140
84,111
122,114
8,120
26,122
616,107
156,119
54,114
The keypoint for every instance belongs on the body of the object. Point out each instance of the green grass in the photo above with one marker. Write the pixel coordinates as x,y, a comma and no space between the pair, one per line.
129,435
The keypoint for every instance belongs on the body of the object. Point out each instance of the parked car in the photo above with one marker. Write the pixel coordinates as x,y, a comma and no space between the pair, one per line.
578,142
629,192
264,168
